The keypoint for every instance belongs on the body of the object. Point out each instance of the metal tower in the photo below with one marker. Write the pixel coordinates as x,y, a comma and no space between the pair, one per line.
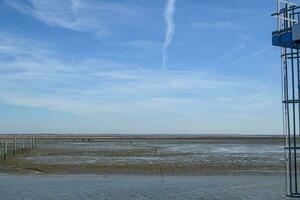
287,36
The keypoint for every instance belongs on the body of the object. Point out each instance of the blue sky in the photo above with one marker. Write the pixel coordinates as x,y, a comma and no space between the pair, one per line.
138,66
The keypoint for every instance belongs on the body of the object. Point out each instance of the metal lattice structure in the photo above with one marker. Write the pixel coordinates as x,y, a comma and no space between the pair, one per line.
287,36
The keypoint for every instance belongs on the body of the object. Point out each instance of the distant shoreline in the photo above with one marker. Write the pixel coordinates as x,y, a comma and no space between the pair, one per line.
138,136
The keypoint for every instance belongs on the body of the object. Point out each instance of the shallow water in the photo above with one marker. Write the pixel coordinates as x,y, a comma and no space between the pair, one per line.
36,187
172,152
256,158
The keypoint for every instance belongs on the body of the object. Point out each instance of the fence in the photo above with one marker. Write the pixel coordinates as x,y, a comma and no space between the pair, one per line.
12,146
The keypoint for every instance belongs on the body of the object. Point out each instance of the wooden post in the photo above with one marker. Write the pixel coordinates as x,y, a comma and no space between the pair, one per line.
30,143
15,147
34,142
5,149
23,146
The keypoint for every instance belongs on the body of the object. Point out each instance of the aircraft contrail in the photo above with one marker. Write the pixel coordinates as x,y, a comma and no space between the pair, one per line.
169,19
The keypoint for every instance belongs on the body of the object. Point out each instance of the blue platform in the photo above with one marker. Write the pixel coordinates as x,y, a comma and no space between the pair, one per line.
289,38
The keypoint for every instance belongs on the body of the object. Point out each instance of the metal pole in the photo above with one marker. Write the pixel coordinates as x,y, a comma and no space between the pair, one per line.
286,97
294,122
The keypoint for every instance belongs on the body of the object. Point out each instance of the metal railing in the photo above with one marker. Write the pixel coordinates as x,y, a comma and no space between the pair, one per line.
287,14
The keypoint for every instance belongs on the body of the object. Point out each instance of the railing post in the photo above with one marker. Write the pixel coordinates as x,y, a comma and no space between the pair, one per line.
30,143
15,147
23,146
36,142
5,149
33,142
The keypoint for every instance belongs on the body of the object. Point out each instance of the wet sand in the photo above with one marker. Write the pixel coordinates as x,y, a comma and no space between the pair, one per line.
152,157
210,168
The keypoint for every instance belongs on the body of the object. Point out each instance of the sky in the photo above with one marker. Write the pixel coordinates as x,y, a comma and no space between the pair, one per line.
139,67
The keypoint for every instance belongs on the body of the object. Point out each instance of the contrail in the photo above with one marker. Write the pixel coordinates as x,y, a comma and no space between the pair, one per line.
253,54
169,19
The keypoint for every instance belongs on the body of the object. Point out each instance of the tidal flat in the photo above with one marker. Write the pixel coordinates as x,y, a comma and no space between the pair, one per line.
145,168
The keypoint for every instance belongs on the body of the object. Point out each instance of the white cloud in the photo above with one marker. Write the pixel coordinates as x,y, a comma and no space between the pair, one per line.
135,91
88,15
95,87
87,87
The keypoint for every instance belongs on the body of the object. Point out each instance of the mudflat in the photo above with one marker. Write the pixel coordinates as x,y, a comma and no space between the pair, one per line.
152,156
155,168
